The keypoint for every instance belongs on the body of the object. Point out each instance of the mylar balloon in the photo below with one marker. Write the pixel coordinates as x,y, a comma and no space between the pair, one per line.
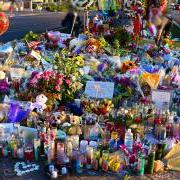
4,23
82,4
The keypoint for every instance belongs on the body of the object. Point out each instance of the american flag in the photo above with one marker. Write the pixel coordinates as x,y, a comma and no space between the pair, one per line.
33,44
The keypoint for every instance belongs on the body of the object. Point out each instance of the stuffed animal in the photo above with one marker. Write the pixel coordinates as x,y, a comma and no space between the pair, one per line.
60,117
75,128
40,103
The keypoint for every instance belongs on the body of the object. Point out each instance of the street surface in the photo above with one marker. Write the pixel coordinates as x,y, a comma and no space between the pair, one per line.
20,25
38,22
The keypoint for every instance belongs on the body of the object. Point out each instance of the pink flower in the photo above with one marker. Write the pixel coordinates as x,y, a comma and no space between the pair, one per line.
33,82
59,81
68,82
39,75
57,88
46,77
60,76
54,73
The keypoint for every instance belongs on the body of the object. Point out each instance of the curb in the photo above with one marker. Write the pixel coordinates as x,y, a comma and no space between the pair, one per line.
16,14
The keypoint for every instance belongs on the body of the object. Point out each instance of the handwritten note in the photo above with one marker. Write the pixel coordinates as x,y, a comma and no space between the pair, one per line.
36,55
99,89
17,73
162,99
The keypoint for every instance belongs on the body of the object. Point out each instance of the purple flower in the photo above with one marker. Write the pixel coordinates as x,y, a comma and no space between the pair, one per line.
102,67
124,81
4,86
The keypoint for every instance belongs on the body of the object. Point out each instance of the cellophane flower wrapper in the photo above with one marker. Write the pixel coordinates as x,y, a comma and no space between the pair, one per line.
16,114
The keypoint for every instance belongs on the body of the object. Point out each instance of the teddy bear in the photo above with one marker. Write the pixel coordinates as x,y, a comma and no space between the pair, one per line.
75,128
59,118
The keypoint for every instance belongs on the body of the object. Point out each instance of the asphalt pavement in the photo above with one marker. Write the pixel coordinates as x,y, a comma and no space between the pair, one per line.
36,22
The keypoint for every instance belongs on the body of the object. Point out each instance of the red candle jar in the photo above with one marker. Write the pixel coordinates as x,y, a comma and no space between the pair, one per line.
28,154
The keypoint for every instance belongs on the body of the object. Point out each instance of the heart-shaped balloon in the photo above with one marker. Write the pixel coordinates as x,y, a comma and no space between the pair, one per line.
4,23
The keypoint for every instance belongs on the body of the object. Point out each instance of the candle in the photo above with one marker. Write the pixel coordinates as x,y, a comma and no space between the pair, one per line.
151,159
28,154
54,174
36,148
105,156
83,146
60,152
20,153
96,157
5,151
52,146
89,155
176,130
69,148
171,118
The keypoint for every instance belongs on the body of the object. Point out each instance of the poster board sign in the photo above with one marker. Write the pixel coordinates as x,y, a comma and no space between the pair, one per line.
17,73
162,99
29,134
99,89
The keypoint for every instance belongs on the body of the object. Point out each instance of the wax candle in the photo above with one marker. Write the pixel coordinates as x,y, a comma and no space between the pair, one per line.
20,153
83,146
176,130
52,146
54,174
105,156
36,148
60,152
28,154
69,148
151,159
96,157
89,155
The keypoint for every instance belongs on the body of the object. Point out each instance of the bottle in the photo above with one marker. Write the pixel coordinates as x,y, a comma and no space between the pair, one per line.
151,159
141,164
129,140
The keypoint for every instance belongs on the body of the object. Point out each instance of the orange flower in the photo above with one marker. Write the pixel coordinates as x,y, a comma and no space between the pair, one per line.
127,65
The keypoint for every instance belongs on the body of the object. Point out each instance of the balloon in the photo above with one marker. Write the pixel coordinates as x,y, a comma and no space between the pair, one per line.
82,4
4,23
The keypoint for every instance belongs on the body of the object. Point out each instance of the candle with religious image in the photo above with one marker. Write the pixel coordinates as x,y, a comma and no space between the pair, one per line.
37,143
89,155
28,154
60,152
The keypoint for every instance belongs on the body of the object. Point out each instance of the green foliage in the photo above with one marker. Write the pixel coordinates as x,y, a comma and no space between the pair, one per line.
30,36
56,8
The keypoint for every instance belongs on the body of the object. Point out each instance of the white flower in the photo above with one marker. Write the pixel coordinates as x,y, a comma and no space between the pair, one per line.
2,75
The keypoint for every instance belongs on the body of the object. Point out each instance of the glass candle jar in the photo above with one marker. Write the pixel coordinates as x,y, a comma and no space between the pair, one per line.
37,143
89,154
105,156
176,130
20,153
96,157
60,153
28,154
83,146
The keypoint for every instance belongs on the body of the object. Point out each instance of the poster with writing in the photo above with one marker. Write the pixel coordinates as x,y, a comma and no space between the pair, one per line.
99,89
17,73
162,99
